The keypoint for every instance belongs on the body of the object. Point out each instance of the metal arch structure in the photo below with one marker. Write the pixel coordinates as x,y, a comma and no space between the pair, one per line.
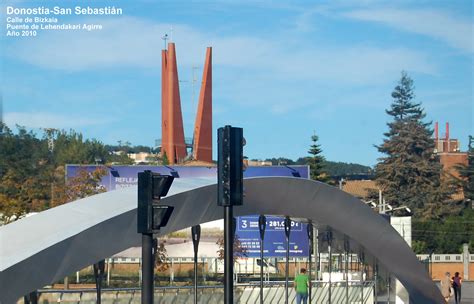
44,248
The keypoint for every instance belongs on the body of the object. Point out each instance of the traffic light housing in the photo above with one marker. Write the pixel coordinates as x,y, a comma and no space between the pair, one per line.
230,166
151,216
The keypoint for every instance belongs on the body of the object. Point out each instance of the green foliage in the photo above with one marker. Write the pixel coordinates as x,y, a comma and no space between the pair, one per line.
24,175
165,160
419,247
161,257
345,169
316,161
331,168
444,236
239,251
466,173
71,148
32,177
410,174
127,148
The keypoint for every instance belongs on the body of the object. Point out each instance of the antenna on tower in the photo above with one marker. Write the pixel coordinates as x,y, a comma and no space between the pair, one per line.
165,37
193,81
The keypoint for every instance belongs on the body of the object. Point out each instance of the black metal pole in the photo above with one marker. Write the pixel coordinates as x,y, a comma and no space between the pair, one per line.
309,229
361,262
346,253
196,235
262,223
329,239
287,263
376,271
195,278
31,298
261,271
147,268
99,269
330,272
388,288
97,283
228,255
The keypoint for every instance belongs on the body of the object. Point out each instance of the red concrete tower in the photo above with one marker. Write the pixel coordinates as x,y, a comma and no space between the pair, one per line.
202,149
172,120
165,123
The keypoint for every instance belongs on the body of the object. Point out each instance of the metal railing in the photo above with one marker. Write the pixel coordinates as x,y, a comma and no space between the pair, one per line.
244,293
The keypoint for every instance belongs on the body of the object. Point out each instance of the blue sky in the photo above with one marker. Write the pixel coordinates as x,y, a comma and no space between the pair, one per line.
280,70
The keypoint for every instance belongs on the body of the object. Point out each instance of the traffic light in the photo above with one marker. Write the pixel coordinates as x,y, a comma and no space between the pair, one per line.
230,166
151,216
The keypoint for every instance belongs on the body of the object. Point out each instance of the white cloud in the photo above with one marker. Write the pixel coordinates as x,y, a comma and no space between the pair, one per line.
121,42
357,64
51,120
452,30
133,42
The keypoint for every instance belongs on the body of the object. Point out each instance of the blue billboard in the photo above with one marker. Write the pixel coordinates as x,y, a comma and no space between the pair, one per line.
247,229
274,244
126,176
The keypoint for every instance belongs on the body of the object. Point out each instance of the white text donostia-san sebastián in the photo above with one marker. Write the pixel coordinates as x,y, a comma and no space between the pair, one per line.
57,10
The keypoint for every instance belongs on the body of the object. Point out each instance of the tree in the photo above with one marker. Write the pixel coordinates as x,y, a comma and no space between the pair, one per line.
32,176
447,236
164,159
161,257
466,172
24,179
239,251
410,173
316,161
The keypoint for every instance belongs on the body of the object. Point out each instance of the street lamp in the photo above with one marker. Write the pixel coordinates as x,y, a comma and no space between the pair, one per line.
287,264
371,203
262,224
328,237
346,256
151,216
99,269
405,208
196,236
309,231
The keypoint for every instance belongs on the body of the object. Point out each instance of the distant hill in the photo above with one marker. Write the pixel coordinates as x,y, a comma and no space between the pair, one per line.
345,169
334,169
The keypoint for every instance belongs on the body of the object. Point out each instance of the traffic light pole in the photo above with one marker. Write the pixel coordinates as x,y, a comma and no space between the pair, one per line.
147,268
99,269
151,216
228,256
230,143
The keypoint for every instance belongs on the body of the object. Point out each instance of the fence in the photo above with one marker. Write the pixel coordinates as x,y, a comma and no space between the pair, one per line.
243,293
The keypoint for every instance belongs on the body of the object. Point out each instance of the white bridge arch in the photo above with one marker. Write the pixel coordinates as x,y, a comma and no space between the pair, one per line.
44,248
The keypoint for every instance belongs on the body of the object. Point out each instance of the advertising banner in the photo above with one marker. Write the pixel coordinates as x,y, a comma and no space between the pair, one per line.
275,240
126,176
247,229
